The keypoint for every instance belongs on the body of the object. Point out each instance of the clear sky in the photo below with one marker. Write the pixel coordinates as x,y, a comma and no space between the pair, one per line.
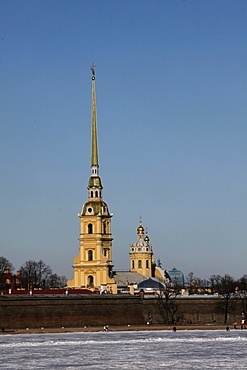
171,86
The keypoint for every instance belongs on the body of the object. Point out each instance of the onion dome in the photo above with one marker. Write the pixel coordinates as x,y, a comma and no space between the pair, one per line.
146,239
140,229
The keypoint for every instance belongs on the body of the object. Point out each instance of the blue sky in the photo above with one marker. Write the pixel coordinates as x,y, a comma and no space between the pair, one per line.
171,86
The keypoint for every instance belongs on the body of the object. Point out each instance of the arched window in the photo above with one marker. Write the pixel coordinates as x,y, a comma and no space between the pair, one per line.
133,264
90,255
147,264
96,194
90,280
91,194
90,228
139,264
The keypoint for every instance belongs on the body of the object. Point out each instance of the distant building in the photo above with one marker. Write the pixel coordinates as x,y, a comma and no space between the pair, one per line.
176,276
141,254
152,284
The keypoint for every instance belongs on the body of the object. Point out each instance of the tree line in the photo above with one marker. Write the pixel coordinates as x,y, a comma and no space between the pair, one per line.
225,287
32,274
216,284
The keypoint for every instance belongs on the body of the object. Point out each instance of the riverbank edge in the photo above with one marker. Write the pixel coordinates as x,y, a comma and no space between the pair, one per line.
116,328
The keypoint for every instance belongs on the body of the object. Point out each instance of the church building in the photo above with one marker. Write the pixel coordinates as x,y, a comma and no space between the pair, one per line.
141,254
93,267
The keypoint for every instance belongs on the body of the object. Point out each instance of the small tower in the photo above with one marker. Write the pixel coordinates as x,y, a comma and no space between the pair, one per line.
141,254
93,265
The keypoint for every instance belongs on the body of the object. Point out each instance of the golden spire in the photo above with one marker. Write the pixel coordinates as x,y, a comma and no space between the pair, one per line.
94,183
94,154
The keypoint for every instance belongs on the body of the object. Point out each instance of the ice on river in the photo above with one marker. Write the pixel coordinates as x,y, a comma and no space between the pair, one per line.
209,349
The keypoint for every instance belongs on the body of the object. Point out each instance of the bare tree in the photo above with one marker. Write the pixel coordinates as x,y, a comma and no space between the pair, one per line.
169,309
56,281
195,284
213,282
225,286
35,274
241,291
5,266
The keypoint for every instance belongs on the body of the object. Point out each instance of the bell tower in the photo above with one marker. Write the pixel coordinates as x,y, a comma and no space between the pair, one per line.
141,254
93,265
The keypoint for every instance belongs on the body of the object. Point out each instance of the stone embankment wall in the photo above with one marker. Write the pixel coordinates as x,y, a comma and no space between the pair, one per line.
78,311
197,311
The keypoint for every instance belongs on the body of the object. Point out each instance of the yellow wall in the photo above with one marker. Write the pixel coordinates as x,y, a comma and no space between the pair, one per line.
95,253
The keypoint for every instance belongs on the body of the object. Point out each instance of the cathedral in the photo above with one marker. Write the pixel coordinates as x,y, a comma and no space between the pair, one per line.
93,267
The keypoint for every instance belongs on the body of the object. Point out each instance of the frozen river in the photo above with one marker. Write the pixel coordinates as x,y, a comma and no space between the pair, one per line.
126,350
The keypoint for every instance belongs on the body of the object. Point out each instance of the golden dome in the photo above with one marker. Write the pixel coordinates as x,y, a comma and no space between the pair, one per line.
140,229
146,238
95,207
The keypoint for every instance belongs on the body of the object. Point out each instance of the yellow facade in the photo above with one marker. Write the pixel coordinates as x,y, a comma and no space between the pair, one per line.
141,255
93,265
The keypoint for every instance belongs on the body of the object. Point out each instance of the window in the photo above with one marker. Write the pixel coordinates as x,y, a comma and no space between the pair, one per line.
104,252
139,264
91,194
90,280
96,194
147,264
90,228
104,228
90,255
133,264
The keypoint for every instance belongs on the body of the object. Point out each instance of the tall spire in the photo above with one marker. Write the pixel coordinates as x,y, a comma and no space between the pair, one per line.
94,153
94,184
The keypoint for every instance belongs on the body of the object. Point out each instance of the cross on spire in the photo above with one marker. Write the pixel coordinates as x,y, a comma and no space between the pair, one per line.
93,71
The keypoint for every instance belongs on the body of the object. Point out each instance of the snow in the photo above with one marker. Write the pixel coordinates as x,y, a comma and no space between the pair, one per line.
126,350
